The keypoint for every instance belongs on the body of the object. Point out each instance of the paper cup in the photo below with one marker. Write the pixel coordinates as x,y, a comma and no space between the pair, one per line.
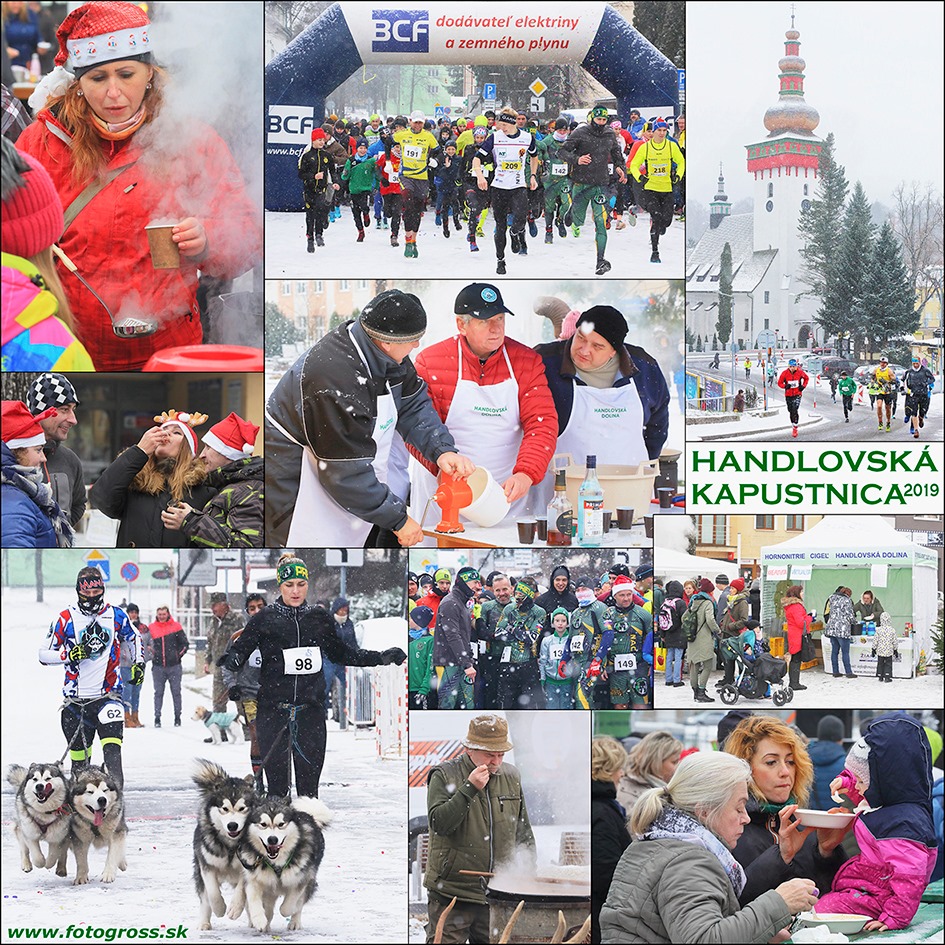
164,251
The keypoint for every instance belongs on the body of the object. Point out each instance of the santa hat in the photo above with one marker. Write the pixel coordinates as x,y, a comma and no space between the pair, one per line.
20,428
621,583
96,33
233,437
32,211
186,422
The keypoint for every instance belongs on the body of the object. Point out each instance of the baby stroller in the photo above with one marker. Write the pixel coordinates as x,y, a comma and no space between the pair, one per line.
758,674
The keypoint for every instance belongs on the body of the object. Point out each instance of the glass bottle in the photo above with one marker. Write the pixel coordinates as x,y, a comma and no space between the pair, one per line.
590,508
560,513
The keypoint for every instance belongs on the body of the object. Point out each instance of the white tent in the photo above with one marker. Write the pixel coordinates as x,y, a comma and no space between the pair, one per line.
861,552
679,566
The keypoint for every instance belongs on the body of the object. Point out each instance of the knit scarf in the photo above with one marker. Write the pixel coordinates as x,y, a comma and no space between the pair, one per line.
674,824
29,480
285,610
602,377
121,130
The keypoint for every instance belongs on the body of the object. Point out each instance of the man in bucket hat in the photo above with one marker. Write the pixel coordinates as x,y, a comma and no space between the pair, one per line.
478,821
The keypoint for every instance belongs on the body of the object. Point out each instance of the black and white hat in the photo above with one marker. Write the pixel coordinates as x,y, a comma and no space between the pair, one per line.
50,390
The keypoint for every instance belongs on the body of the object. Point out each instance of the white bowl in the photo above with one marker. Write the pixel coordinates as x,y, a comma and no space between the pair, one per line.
822,818
836,921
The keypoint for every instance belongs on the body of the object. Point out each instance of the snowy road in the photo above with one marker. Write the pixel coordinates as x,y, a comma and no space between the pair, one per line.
628,252
864,692
362,880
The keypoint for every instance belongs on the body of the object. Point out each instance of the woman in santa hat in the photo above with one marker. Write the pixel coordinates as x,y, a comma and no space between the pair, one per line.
233,518
118,165
162,470
31,516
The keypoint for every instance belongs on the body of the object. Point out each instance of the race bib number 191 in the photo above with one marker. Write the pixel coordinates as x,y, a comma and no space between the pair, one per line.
302,660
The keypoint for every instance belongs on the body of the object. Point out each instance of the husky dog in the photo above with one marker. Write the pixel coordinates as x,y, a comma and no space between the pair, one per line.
98,820
281,850
218,722
226,804
42,813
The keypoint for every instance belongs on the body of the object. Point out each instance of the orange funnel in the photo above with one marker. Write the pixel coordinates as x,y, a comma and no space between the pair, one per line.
451,495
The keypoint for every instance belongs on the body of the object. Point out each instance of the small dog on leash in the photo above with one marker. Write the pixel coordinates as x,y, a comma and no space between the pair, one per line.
219,722
42,813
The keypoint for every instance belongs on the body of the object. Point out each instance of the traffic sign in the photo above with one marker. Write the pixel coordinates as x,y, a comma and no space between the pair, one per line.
489,91
226,557
98,559
537,88
196,568
538,104
344,557
440,111
129,571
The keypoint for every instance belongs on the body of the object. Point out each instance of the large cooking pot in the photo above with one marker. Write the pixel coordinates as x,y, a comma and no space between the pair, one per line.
543,900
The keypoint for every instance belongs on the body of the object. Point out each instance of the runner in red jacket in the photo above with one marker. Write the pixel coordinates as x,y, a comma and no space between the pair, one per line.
792,381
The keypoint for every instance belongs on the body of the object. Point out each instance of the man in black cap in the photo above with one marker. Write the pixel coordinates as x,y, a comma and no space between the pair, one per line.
333,474
62,469
492,394
723,589
611,397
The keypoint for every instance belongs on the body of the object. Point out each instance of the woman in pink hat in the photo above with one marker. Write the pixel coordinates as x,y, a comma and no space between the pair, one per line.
31,516
120,165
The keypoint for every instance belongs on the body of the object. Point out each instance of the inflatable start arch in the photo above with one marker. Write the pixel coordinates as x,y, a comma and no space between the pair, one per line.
349,35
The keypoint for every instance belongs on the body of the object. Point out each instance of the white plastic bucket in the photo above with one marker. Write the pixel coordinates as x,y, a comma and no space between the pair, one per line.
488,506
630,486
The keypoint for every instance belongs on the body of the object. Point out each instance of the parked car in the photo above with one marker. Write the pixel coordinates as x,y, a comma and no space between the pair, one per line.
833,366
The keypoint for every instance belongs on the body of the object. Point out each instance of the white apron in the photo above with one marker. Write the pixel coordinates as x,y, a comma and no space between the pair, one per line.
607,423
318,519
485,425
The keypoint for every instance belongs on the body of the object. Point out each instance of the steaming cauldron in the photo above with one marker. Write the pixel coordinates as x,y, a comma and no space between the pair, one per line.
543,900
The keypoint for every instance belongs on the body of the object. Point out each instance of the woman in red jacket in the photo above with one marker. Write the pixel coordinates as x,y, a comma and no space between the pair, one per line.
118,166
798,623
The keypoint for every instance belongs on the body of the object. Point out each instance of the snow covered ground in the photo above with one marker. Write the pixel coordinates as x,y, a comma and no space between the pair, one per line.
823,690
628,252
362,881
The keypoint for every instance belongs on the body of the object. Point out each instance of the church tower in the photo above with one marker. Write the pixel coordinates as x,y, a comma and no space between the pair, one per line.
720,207
784,167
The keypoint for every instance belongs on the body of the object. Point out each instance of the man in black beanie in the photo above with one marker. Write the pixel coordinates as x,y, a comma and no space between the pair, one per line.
611,397
335,471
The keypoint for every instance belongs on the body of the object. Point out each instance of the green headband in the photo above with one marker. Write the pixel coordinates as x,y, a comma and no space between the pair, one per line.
291,571
523,588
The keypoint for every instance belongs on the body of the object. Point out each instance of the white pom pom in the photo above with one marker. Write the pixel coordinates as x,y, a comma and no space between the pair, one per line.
50,86
183,417
247,448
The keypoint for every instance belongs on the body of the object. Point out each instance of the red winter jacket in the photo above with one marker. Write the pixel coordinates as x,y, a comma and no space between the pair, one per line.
390,185
793,382
795,614
194,177
439,367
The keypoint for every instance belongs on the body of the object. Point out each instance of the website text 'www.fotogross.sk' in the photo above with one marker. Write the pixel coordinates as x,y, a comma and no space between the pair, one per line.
97,933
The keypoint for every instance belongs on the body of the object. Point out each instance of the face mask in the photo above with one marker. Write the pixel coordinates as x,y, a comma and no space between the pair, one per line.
585,598
560,136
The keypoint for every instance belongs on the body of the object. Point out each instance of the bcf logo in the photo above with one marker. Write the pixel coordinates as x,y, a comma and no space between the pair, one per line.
290,124
401,31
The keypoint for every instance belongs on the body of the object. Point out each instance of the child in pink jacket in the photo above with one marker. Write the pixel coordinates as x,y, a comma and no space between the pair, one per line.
888,775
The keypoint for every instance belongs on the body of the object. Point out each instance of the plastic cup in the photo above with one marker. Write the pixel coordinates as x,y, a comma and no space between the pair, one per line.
542,527
624,517
665,495
164,251
526,530
648,525
608,519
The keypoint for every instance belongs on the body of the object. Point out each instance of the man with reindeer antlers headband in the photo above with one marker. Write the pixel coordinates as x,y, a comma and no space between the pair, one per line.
162,470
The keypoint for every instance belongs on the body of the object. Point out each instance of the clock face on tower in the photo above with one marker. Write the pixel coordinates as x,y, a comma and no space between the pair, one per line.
769,206
805,205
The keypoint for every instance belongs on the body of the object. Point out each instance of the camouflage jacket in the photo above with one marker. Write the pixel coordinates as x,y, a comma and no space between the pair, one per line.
233,518
219,633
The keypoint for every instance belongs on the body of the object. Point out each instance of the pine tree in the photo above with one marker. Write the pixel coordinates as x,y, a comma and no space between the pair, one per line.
715,342
724,325
888,306
663,23
820,226
842,307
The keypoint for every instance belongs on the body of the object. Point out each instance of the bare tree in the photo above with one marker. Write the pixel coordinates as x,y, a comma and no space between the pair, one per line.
917,222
